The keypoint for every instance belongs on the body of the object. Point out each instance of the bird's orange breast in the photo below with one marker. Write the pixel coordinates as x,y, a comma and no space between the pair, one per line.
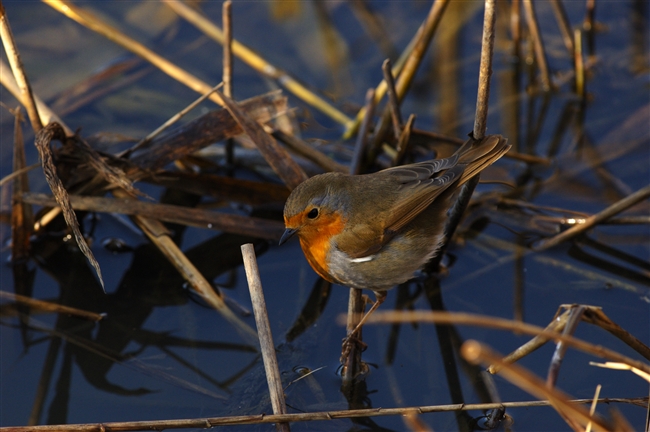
315,240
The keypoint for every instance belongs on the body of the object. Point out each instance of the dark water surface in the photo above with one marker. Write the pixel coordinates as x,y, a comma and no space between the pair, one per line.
161,353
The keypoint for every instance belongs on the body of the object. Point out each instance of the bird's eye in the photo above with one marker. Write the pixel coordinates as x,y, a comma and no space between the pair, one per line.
313,213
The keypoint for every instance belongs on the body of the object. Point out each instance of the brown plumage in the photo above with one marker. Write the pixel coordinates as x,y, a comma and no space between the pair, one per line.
376,230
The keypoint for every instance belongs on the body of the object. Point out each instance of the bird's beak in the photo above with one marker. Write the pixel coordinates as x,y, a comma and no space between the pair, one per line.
287,234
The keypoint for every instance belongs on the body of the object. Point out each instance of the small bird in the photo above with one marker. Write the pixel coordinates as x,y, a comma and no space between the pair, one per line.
375,231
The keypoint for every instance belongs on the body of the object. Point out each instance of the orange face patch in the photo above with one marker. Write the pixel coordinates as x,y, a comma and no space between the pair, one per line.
315,236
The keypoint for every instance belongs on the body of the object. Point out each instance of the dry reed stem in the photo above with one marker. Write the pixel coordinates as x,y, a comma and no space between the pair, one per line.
407,64
351,363
276,156
226,22
575,415
42,142
200,218
50,307
159,236
412,64
22,217
393,100
594,404
564,25
485,71
173,119
17,173
26,95
591,221
47,116
556,325
461,318
579,63
271,368
403,141
226,12
222,187
622,366
414,423
86,19
207,422
258,63
303,149
574,318
209,128
589,16
596,316
111,174
538,44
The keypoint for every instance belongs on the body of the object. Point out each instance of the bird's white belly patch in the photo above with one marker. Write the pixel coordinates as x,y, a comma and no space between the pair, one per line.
362,259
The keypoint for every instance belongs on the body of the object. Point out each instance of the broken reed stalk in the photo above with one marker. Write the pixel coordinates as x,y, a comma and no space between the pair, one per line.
564,25
405,78
17,173
26,95
305,150
277,157
226,76
595,315
201,218
258,63
459,318
407,64
22,217
591,221
579,64
413,422
226,12
273,377
214,126
207,422
478,133
556,325
88,20
50,307
352,366
173,119
485,71
477,353
574,318
43,141
403,141
393,100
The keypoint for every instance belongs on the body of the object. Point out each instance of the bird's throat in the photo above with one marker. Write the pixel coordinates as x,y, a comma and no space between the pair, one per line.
316,241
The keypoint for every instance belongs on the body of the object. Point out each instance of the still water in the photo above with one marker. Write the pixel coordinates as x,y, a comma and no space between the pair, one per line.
162,353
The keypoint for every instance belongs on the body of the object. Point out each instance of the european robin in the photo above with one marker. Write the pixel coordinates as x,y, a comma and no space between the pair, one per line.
375,231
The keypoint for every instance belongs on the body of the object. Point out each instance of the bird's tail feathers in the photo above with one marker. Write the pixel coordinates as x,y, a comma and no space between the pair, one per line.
478,155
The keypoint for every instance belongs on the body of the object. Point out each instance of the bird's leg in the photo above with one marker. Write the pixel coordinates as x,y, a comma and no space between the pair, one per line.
380,296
